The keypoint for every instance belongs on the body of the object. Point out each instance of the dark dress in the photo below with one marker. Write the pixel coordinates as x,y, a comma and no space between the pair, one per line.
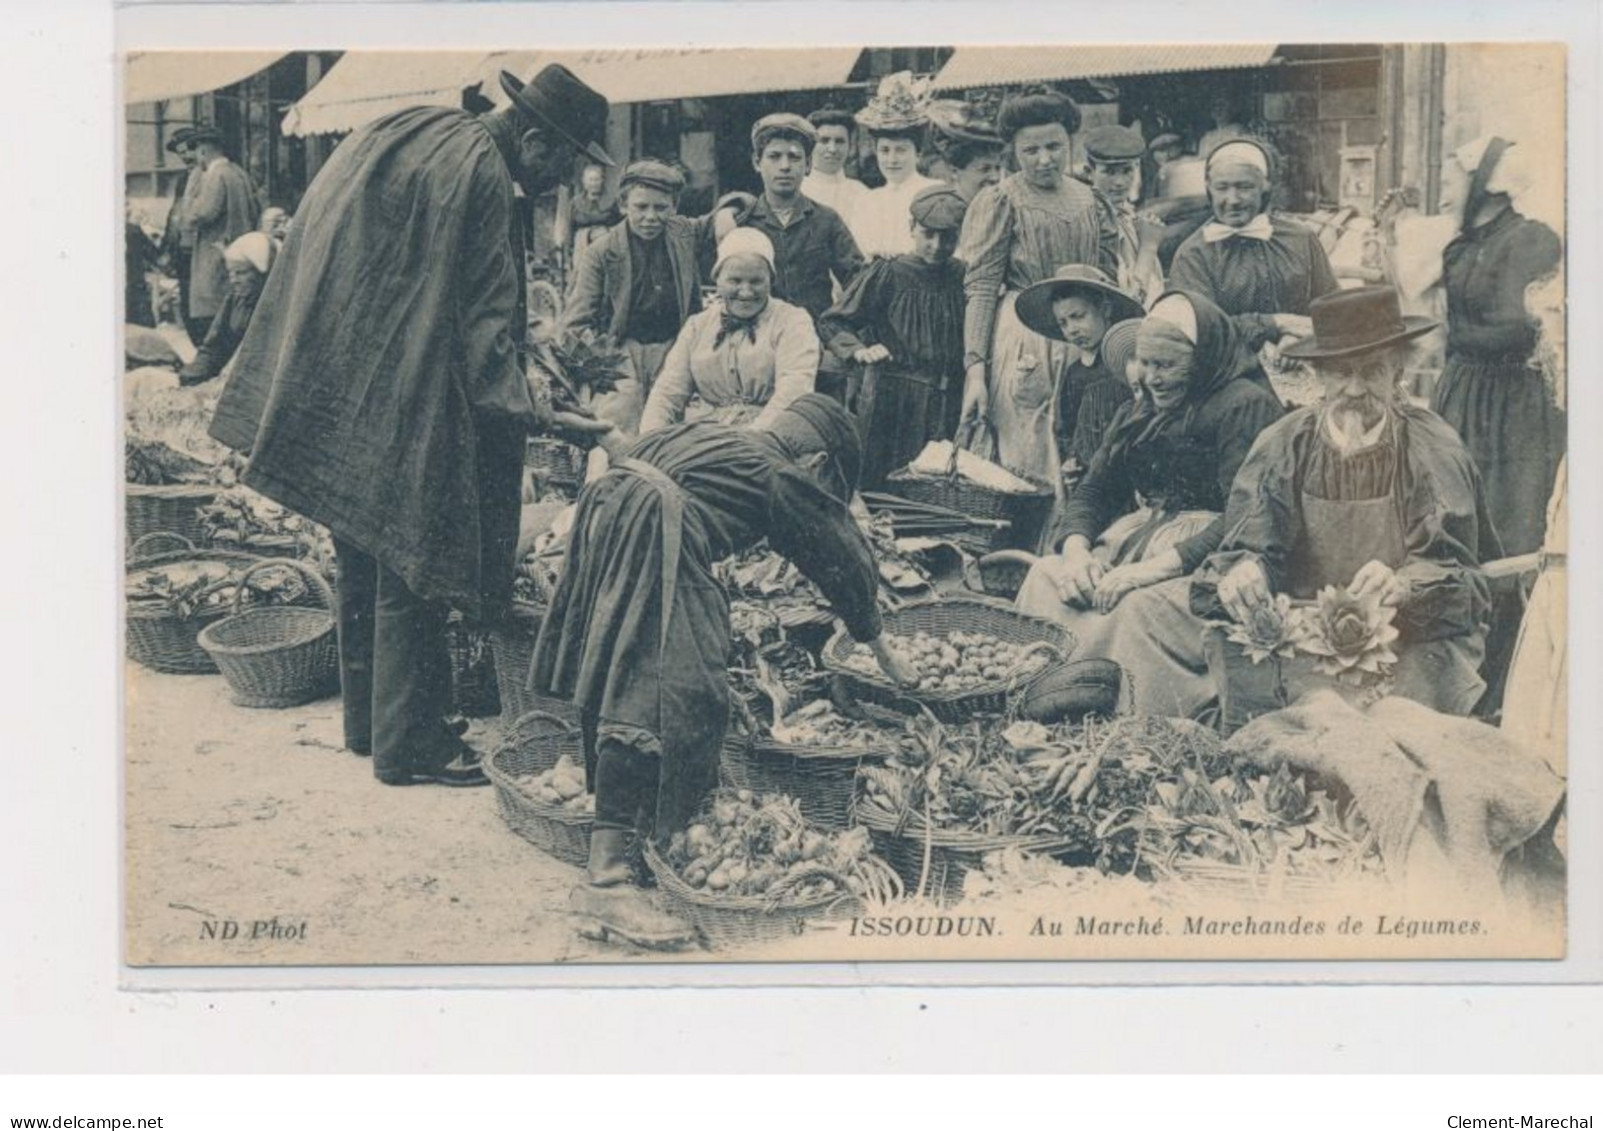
1087,402
1245,276
915,310
1490,391
139,256
222,339
604,645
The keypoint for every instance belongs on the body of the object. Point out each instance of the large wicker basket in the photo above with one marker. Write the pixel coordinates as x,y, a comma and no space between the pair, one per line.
557,460
160,639
534,744
942,618
512,647
280,655
170,508
952,853
1025,514
732,921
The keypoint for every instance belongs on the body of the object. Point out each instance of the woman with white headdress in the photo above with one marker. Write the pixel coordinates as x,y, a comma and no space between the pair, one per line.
248,259
1491,390
745,357
1253,263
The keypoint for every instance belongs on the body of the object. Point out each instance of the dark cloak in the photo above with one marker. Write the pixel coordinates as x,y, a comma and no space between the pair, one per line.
379,388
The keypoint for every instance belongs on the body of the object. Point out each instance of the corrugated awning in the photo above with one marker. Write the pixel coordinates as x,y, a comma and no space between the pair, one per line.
652,74
366,85
1002,66
156,76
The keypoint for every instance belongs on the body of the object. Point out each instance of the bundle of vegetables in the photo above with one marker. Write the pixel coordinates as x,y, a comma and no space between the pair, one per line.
771,677
560,786
758,847
239,516
536,578
764,575
961,661
153,463
177,417
183,589
1349,637
590,360
937,460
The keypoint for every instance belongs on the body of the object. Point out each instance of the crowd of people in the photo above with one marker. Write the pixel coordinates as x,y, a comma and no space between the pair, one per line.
794,345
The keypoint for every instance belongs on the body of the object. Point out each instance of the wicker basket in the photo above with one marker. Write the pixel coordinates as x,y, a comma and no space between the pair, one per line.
474,692
942,618
172,508
953,853
728,921
512,648
159,639
277,656
556,460
534,744
1000,574
1025,514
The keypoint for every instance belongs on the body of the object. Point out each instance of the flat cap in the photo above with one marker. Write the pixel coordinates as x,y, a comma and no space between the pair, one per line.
939,208
1113,143
783,124
653,174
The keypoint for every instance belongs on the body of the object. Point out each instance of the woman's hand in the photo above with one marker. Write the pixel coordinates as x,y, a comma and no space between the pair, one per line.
1076,573
893,664
871,355
1378,577
1243,589
975,398
1121,580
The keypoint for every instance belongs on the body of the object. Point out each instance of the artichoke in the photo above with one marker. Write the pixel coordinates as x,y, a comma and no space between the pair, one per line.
1350,637
1270,631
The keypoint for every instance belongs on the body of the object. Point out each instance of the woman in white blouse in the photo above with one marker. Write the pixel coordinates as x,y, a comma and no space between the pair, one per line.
743,359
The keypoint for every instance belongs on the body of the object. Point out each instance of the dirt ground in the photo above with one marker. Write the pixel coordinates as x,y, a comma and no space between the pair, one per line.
243,816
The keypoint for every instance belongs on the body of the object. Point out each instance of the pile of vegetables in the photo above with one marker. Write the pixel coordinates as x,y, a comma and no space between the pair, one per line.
241,517
1143,795
184,588
959,662
153,463
562,786
757,846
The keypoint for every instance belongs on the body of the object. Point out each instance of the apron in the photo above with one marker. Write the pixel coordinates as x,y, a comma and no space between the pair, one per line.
1340,538
690,746
1026,373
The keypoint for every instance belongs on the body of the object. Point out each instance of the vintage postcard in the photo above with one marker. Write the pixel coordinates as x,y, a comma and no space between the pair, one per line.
837,504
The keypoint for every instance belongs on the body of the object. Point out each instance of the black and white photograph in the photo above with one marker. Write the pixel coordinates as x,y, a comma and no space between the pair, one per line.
824,504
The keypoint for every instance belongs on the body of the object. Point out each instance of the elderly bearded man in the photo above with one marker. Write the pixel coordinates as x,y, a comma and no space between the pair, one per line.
1368,492
380,391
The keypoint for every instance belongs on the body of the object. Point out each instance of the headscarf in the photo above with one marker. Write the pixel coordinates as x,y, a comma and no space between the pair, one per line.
744,241
1241,152
814,422
1218,356
255,248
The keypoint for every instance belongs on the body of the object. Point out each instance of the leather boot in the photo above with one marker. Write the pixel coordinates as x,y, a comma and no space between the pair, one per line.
614,906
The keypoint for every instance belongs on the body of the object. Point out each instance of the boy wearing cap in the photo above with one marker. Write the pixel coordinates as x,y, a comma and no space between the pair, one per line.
827,182
1113,166
639,283
813,248
901,319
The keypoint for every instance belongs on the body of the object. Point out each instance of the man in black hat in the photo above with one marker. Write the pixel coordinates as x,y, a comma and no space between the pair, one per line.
1366,492
380,390
221,208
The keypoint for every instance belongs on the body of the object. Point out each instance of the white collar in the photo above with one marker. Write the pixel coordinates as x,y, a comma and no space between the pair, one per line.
1258,228
823,176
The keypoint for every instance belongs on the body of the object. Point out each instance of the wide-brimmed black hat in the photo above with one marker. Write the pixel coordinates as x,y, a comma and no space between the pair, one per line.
180,139
1034,306
559,101
1351,322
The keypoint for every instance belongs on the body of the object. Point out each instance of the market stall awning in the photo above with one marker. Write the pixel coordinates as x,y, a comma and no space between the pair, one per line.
155,76
1003,66
653,74
365,85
